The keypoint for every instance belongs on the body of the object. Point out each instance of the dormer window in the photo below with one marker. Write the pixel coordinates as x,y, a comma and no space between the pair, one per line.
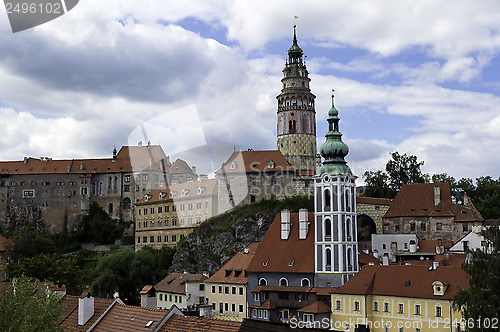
233,165
271,164
162,195
201,190
439,288
173,193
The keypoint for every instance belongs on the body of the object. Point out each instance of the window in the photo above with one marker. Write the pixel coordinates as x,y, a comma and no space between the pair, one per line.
160,209
283,282
240,308
226,306
396,228
145,177
386,306
356,306
233,307
262,282
226,290
126,178
305,282
220,289
375,306
384,246
401,308
233,290
256,297
201,287
338,305
439,226
174,238
241,290
412,227
221,307
465,227
423,227
151,238
417,309
439,312
254,313
161,297
213,289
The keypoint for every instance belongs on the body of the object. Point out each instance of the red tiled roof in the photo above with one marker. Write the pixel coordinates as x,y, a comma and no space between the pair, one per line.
318,307
286,256
234,270
417,200
128,159
373,200
176,282
70,312
405,281
177,323
364,258
444,260
128,318
430,245
255,161
146,289
190,189
284,289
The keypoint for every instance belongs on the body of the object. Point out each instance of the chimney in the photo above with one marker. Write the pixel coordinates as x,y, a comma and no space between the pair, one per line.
246,251
285,224
375,253
114,155
139,144
435,265
394,250
194,169
437,195
303,224
203,177
385,259
413,246
81,165
25,160
85,309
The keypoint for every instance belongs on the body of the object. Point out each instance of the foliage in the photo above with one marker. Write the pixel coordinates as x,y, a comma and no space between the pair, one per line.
24,308
52,268
482,299
399,170
99,227
126,272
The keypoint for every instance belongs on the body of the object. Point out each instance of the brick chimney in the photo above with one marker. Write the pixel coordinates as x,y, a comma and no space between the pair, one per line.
285,224
437,195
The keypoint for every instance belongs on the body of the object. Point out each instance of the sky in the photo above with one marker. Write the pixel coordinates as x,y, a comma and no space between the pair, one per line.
201,78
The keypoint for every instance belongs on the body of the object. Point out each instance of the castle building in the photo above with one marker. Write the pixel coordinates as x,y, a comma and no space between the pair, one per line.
336,247
296,127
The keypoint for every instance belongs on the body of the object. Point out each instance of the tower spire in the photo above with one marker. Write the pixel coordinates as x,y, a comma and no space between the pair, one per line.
334,150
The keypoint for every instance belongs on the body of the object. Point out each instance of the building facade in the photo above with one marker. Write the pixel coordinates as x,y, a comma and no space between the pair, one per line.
165,216
296,125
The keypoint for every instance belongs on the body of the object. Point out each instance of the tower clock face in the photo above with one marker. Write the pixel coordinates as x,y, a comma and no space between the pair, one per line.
293,83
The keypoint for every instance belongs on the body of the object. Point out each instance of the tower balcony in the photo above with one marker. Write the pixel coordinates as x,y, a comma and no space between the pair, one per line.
295,108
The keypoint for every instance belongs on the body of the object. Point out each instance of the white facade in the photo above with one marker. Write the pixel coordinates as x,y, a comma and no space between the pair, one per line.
195,291
472,241
381,243
336,247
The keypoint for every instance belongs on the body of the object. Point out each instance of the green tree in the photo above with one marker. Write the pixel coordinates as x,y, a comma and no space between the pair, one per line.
404,169
482,299
23,307
377,185
99,227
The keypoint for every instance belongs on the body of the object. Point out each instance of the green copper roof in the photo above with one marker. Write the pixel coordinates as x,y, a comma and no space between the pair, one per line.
334,150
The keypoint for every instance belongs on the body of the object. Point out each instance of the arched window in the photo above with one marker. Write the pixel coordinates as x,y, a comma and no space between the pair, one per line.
283,282
100,188
328,199
292,126
110,183
328,229
110,208
349,258
348,228
305,282
126,203
328,253
116,182
347,201
262,282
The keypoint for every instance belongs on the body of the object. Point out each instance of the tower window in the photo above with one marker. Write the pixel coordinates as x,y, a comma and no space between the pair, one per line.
292,126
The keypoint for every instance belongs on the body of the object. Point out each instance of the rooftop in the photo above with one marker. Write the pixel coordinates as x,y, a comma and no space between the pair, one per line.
233,271
176,282
255,161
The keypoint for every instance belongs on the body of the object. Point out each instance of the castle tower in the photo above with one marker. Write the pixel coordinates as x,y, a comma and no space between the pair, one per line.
336,246
296,129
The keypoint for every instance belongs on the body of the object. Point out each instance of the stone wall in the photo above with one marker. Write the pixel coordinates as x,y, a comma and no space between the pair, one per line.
374,211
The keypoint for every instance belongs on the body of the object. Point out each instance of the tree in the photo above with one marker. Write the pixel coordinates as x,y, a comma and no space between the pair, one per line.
377,185
481,300
99,227
25,307
403,169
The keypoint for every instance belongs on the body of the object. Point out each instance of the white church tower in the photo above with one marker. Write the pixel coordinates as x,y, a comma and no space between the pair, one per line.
336,246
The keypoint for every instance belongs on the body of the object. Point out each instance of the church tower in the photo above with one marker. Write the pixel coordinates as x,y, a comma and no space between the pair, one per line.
336,246
296,113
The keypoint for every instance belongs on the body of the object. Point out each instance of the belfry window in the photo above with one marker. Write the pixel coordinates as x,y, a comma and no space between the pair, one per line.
328,229
327,200
292,126
328,254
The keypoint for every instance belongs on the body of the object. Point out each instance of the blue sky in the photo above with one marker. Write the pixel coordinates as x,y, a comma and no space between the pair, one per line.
418,77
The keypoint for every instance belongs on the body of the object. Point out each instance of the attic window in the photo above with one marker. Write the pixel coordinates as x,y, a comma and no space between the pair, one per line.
412,210
407,283
463,211
255,165
265,263
291,263
201,190
148,324
233,165
237,272
271,164
228,272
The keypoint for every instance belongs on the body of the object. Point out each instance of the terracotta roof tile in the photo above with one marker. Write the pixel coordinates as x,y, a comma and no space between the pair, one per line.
405,281
128,318
176,282
255,161
177,323
287,256
417,200
234,270
318,307
184,190
70,312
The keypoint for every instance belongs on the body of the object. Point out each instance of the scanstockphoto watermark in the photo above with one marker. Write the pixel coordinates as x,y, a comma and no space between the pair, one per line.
26,14
327,323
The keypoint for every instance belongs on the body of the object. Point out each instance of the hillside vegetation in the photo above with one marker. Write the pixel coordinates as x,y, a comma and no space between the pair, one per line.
216,240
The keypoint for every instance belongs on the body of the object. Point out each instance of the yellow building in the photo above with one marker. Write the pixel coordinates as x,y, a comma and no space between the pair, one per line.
226,290
399,298
167,215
